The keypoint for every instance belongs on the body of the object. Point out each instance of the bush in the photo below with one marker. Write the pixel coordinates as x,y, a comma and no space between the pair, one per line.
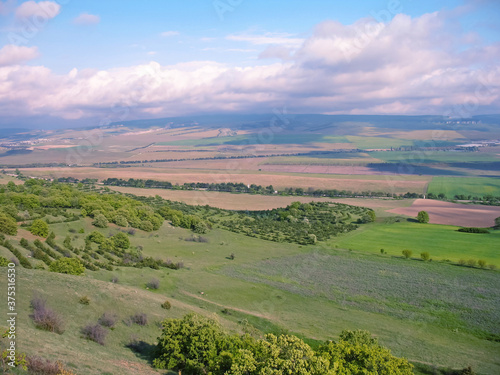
462,262
96,237
46,318
425,256
153,284
121,241
84,300
100,221
95,332
3,262
423,217
7,224
41,366
70,266
481,263
108,320
407,253
39,228
492,267
166,305
474,230
115,279
471,262
140,319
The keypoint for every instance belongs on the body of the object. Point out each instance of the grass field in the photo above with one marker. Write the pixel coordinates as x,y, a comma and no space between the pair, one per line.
441,241
314,292
478,187
431,157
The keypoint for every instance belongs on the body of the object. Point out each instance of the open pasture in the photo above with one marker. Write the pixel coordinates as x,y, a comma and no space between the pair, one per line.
441,241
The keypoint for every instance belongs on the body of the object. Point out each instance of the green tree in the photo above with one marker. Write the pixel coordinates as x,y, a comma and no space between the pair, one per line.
423,217
3,262
100,221
70,266
371,215
7,225
121,240
407,253
497,223
121,221
96,237
39,228
425,256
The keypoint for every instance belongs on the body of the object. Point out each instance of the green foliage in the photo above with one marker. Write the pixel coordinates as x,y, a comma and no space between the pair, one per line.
407,253
84,300
121,221
481,263
4,262
425,256
96,237
70,266
497,223
39,228
7,225
196,345
474,230
100,221
166,305
423,217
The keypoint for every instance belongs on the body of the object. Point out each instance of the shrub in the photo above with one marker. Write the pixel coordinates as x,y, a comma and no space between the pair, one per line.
121,241
70,266
425,256
166,305
96,237
46,318
4,262
407,253
121,221
140,319
39,228
84,300
41,366
100,221
232,256
474,230
108,320
471,262
115,279
462,262
492,267
423,217
7,224
95,332
153,284
481,263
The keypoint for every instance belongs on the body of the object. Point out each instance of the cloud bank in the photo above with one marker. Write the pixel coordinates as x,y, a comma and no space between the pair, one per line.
421,65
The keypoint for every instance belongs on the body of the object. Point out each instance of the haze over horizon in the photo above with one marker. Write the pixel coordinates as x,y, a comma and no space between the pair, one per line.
84,63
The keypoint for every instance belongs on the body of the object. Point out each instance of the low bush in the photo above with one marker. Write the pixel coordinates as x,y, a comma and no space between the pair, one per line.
108,320
140,319
474,230
41,366
153,284
95,332
46,318
84,300
166,305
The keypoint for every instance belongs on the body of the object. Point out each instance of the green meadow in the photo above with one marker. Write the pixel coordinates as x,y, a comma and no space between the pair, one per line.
474,186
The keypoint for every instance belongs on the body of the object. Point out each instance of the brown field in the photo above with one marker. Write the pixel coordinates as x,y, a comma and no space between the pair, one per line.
389,184
235,201
326,169
452,213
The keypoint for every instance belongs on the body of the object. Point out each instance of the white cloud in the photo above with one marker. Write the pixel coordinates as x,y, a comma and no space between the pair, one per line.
406,66
152,53
87,19
13,55
7,6
267,39
167,34
45,9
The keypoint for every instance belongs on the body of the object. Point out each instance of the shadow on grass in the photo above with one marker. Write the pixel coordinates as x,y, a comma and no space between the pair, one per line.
142,350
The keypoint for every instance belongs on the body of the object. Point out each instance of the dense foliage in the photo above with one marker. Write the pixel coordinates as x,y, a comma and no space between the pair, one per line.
195,345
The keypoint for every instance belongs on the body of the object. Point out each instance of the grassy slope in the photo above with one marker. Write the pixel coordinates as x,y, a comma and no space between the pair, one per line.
273,301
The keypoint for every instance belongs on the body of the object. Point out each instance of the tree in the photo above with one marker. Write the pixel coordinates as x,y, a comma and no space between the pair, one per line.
121,240
425,256
70,266
7,225
407,253
371,215
423,217
96,237
100,221
497,223
39,228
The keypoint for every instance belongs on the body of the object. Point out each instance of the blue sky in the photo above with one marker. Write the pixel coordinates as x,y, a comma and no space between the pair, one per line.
245,43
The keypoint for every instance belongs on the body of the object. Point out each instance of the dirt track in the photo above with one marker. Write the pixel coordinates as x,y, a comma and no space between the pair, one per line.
452,213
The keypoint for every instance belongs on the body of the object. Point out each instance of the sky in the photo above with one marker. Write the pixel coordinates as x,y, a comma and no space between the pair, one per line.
93,62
